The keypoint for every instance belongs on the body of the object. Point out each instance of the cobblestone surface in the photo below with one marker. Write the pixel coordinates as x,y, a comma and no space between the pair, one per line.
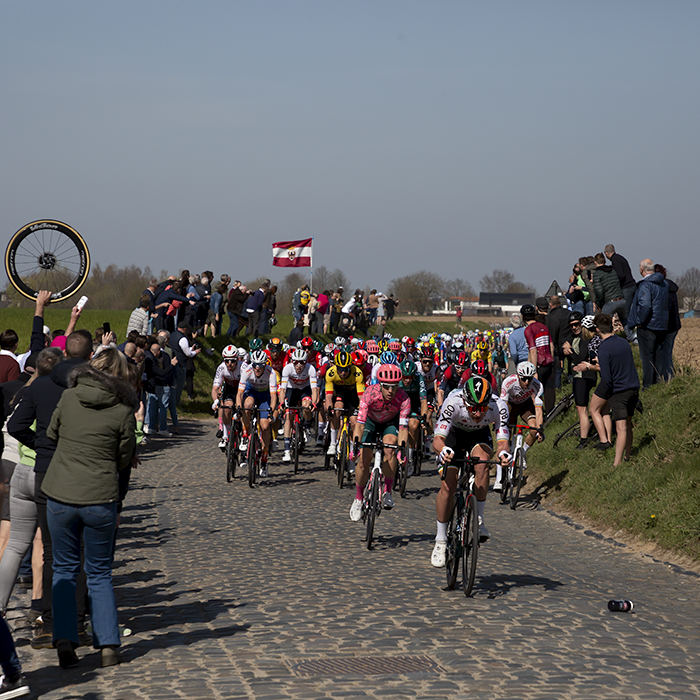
234,592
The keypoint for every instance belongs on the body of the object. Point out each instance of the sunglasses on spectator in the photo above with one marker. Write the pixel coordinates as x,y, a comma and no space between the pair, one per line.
575,324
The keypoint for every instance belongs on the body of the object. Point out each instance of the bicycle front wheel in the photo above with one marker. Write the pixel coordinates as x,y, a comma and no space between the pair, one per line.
232,454
342,460
49,255
252,456
470,544
372,507
295,446
454,544
518,461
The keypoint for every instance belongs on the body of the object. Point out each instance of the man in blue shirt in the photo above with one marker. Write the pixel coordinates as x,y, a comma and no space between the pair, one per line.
517,345
253,306
618,372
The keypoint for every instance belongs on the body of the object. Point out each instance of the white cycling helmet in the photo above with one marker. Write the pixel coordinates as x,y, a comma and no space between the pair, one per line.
526,370
258,358
299,355
230,352
339,340
242,353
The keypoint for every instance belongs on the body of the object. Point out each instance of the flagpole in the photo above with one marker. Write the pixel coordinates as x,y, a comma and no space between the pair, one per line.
311,270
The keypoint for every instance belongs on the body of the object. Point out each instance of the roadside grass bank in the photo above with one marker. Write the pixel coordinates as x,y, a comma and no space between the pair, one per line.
655,497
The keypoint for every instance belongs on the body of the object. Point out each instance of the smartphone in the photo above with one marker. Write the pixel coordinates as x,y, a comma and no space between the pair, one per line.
106,328
81,302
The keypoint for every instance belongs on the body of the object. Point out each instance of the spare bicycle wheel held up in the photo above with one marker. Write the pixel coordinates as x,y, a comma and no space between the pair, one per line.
49,255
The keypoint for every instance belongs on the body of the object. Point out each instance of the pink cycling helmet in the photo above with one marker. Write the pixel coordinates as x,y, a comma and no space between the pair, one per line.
389,374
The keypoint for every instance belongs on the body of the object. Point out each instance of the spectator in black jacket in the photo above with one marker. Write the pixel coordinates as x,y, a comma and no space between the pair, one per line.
674,325
557,320
159,369
626,278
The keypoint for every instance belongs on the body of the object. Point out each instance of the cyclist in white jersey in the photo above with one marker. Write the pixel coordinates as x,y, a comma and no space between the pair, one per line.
463,429
298,387
224,390
258,387
522,392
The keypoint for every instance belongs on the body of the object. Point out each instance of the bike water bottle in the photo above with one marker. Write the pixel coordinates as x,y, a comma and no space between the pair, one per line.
620,606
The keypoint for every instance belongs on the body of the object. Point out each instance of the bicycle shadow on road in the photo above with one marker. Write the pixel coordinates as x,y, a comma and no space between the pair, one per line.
495,586
400,541
545,489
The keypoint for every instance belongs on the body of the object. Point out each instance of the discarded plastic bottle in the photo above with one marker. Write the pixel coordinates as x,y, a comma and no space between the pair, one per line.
620,606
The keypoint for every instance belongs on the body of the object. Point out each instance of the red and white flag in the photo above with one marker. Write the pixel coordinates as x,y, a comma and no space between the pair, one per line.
292,253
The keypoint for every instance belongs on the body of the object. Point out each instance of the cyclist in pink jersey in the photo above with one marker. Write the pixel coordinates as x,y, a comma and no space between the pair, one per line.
384,411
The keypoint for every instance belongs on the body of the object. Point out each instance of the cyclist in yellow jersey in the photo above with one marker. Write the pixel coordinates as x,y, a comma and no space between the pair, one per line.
482,352
345,384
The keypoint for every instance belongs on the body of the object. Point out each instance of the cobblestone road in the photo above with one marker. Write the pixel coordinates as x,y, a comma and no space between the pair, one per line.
271,594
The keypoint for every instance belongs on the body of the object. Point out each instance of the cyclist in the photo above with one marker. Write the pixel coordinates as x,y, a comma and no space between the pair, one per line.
522,392
482,352
414,385
276,356
258,387
500,362
478,368
451,376
224,390
462,429
384,412
345,386
297,388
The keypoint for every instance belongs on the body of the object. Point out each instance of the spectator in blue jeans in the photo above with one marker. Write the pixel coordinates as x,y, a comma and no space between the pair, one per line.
93,427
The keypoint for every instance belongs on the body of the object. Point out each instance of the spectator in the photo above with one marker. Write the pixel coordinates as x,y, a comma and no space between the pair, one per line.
517,345
150,292
587,265
297,333
372,306
159,370
213,319
269,309
618,372
254,307
649,315
625,276
674,325
608,293
557,321
138,321
9,366
94,431
179,343
38,403
578,294
312,309
390,305
323,312
237,297
337,304
540,353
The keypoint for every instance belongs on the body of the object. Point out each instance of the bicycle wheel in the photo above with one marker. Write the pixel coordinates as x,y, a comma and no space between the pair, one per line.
295,446
372,507
507,483
232,453
50,255
252,454
327,459
342,460
572,431
454,544
402,477
517,477
418,453
470,544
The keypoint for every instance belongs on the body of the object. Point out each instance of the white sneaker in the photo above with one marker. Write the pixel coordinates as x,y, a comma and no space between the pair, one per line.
483,532
222,443
387,500
356,511
243,447
498,486
331,449
146,430
437,558
287,456
165,434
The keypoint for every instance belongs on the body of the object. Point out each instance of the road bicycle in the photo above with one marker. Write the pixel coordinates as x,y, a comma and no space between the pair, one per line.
463,526
563,405
342,454
254,452
233,453
513,476
297,439
371,497
50,255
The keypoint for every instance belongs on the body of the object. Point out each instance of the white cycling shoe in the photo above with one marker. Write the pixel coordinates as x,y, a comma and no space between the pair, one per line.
332,448
439,555
356,511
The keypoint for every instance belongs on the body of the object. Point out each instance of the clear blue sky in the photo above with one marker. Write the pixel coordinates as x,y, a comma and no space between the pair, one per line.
456,137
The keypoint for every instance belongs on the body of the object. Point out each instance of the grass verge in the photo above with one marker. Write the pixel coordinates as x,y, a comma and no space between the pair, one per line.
656,496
